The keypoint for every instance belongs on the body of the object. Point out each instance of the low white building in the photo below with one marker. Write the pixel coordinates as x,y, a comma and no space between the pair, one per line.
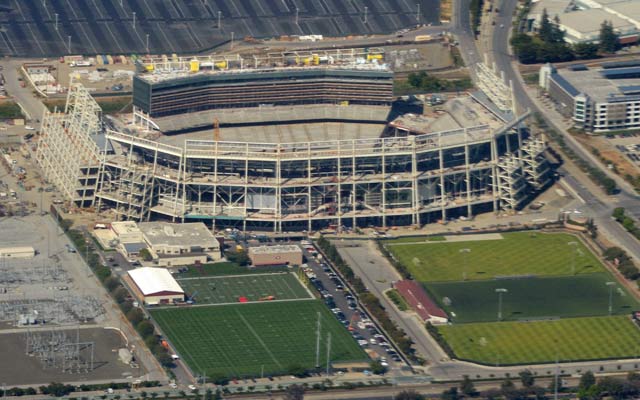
17,252
155,286
129,237
180,244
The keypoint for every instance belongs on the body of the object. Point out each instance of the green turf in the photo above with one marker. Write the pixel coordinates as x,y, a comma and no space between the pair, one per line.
226,268
537,342
227,289
519,253
238,340
532,298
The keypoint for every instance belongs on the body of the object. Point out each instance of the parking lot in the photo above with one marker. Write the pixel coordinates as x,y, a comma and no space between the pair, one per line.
345,307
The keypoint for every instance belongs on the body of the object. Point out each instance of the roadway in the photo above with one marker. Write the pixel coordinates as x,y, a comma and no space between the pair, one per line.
596,204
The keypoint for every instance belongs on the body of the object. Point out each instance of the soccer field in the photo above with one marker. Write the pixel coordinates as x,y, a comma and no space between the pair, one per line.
531,298
537,342
518,253
228,289
239,340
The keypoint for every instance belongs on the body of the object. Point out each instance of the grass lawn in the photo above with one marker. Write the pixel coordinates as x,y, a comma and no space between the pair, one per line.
227,289
531,298
238,340
226,268
518,253
536,342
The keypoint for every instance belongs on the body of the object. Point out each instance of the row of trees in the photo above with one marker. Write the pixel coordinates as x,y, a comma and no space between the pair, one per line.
428,83
623,263
627,222
369,300
589,388
548,44
595,174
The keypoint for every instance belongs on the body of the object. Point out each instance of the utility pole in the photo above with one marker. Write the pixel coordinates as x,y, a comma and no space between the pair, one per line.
418,12
500,291
573,257
328,353
464,253
365,13
219,20
318,343
611,285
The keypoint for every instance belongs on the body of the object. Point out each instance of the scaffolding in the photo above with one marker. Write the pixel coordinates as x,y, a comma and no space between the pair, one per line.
67,151
493,83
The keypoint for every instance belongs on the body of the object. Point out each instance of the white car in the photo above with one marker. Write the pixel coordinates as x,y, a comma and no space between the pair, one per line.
173,385
192,387
29,128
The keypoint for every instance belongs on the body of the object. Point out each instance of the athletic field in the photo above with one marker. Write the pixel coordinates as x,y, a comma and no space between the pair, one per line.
517,253
246,339
532,298
253,287
539,342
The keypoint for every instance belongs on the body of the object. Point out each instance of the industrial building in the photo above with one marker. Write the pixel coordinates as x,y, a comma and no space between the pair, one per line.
295,167
180,244
153,286
597,99
581,19
275,255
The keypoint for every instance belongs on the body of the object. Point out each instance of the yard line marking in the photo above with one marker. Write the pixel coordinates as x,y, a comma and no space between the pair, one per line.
258,338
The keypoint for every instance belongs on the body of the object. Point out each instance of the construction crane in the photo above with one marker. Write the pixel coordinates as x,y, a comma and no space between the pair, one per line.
216,129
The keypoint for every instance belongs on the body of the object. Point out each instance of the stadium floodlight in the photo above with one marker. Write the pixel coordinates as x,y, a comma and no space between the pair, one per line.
147,43
56,25
500,292
611,285
219,19
366,9
417,12
464,262
133,19
573,257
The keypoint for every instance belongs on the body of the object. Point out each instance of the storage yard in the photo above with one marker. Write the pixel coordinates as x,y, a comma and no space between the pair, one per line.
35,28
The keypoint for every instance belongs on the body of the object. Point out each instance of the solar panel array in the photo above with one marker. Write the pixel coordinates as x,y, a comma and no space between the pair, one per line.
38,28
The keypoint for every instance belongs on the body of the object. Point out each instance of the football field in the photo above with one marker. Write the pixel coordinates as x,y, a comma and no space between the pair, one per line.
532,298
245,340
570,339
252,287
516,254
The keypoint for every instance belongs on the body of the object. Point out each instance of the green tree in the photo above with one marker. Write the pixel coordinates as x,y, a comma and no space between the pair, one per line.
377,368
145,254
135,316
120,295
297,370
467,387
609,39
408,395
545,31
527,378
294,392
525,48
618,213
111,283
145,328
586,380
450,394
584,51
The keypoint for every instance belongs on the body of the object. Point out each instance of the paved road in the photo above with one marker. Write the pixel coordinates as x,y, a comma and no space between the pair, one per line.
24,96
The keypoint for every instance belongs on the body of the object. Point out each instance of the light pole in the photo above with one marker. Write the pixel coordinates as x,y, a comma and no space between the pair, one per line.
611,285
500,291
133,20
219,22
573,257
464,253
147,43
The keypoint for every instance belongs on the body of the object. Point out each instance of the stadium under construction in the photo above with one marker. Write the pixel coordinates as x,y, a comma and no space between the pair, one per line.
285,161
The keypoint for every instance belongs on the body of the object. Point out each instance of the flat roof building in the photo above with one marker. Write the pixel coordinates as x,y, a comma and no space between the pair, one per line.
180,244
597,99
154,286
17,252
275,255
